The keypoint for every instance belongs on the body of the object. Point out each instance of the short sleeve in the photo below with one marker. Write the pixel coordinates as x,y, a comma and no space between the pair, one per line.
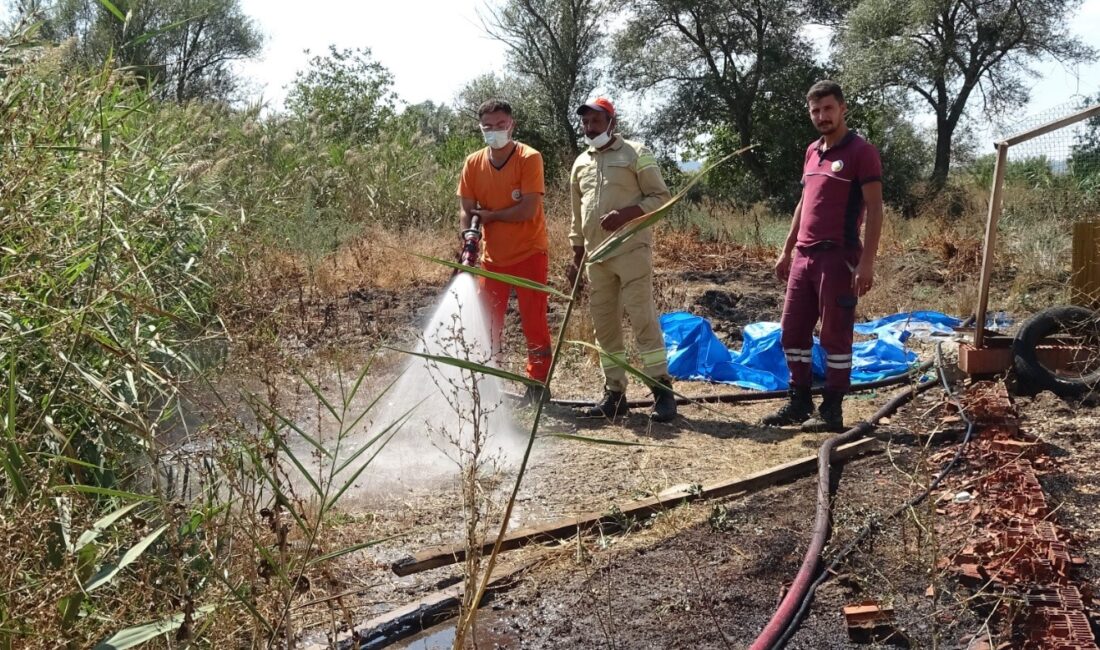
645,160
805,161
870,166
466,188
532,180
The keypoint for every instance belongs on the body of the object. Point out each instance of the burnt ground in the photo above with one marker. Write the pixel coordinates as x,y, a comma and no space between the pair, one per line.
707,575
710,574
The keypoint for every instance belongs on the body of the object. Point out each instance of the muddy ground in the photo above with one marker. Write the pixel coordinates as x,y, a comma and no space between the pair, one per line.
707,575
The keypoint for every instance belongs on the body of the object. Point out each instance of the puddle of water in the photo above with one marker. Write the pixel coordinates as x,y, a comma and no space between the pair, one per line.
441,637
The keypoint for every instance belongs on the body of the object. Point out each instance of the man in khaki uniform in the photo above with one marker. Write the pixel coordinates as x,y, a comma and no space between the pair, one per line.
613,182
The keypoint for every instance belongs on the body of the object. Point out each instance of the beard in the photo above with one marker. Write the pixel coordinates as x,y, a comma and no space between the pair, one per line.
826,128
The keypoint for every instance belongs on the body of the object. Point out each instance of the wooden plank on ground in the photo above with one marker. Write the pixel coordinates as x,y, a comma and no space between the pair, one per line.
438,556
423,613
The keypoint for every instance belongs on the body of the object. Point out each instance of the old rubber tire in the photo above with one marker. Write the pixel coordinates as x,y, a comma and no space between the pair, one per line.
1040,326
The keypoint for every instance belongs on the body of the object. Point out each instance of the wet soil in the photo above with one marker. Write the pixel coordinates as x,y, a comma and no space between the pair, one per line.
706,575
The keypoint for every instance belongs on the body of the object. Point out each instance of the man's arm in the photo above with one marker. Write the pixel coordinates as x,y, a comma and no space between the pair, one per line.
576,229
654,193
864,276
783,264
526,209
467,208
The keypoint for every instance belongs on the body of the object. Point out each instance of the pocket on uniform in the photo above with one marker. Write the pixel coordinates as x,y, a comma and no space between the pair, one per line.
848,301
586,179
620,173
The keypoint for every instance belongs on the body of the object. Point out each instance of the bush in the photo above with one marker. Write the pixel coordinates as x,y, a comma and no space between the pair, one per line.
109,262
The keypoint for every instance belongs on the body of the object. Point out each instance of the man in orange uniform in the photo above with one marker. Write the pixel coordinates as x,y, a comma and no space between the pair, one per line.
503,185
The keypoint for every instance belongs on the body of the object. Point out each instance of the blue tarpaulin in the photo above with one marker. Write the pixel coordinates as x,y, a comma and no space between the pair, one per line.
695,353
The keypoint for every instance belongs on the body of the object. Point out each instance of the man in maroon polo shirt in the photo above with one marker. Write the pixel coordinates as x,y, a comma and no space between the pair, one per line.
823,262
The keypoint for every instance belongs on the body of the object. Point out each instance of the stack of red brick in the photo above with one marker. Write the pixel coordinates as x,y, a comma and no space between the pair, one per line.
1013,547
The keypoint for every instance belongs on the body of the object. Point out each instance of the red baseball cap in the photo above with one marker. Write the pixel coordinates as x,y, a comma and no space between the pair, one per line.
598,104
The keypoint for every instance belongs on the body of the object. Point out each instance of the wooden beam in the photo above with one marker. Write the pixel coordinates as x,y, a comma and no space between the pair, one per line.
439,556
990,245
423,613
1044,129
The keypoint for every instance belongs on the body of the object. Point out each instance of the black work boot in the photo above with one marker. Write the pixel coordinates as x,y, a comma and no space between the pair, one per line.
664,402
799,406
612,406
535,394
830,417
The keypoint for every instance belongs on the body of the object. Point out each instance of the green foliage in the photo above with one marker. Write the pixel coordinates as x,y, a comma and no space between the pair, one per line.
1034,173
1084,159
184,49
346,93
535,122
554,47
734,75
109,259
941,52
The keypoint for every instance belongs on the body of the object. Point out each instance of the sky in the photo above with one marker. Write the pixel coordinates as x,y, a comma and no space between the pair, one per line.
433,47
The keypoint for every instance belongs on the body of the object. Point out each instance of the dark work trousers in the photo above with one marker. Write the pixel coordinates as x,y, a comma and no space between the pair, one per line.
820,286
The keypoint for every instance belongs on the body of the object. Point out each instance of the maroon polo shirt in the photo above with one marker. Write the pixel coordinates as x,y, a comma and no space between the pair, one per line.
832,190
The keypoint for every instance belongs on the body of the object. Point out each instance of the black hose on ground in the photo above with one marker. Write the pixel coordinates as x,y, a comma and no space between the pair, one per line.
873,525
780,620
733,398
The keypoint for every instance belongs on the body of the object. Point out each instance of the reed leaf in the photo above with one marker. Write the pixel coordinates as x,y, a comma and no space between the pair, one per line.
301,468
351,549
501,277
108,572
103,523
472,366
605,441
105,492
135,636
632,228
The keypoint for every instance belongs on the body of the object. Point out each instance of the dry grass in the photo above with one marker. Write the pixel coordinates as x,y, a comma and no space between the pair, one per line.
379,256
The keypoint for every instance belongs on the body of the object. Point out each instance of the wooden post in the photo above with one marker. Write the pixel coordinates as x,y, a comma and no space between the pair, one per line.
995,202
1085,273
567,527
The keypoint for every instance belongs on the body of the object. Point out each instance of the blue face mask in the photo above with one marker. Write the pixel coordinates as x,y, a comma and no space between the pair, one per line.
496,139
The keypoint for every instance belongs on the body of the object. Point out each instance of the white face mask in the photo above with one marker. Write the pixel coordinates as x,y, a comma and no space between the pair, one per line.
496,139
601,140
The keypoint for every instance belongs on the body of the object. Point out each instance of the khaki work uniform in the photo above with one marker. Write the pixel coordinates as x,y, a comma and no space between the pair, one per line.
624,174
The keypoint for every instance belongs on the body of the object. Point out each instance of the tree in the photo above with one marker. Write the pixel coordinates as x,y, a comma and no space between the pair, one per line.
555,45
536,124
733,72
452,136
210,35
944,51
346,91
905,152
183,48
